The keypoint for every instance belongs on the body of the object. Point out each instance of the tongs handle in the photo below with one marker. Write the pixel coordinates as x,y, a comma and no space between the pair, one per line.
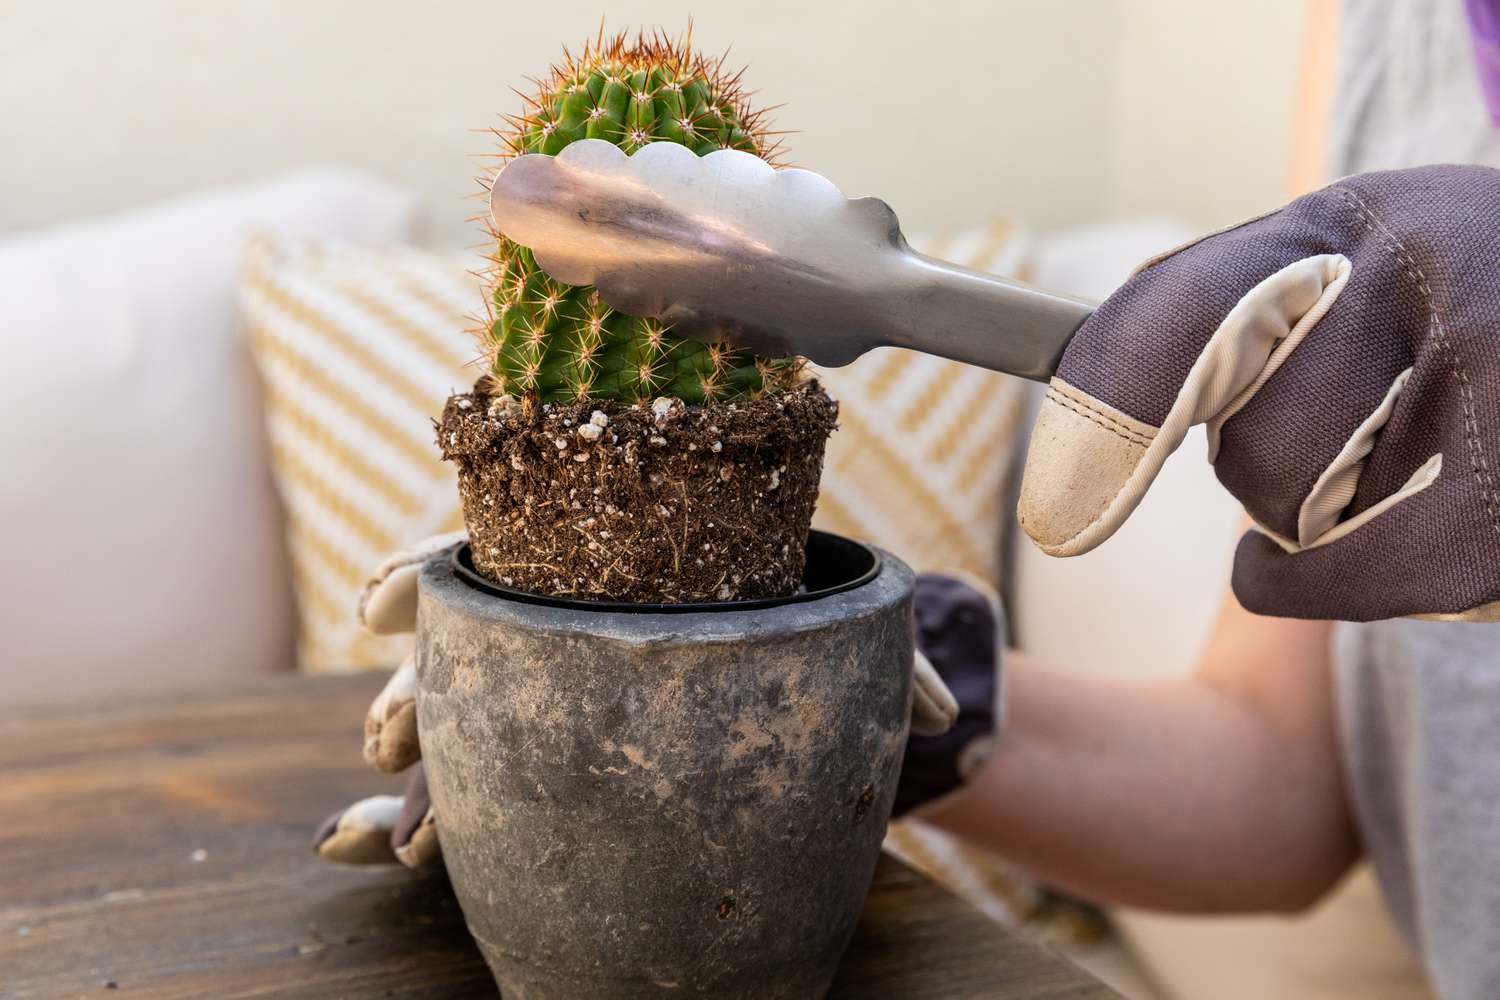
981,319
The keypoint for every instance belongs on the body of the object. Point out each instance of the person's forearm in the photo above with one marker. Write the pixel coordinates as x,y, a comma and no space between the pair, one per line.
1168,795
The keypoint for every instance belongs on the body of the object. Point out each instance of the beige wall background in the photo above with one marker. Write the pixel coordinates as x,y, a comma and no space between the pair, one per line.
1058,112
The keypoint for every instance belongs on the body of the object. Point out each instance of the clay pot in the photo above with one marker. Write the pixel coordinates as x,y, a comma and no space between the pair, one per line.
636,803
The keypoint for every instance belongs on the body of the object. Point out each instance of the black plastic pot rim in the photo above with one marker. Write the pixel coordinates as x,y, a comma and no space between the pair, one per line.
835,565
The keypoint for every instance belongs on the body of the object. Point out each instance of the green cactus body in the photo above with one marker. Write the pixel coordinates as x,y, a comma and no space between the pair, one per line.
552,341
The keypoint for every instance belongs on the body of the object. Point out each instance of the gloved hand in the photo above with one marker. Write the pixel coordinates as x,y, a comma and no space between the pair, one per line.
960,635
1344,352
386,828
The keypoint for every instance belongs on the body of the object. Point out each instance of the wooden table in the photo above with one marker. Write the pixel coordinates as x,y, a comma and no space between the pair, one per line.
161,849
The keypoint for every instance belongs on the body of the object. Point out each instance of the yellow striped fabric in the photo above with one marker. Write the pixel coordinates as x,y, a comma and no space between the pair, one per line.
991,885
357,349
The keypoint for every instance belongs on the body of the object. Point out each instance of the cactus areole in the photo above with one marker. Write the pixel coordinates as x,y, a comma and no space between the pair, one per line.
600,455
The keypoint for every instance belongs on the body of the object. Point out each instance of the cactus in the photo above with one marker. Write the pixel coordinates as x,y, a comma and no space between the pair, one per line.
546,340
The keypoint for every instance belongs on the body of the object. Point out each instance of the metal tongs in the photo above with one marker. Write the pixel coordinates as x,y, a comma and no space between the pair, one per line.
726,247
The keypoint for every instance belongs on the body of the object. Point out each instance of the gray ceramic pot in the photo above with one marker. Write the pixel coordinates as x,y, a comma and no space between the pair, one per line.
663,805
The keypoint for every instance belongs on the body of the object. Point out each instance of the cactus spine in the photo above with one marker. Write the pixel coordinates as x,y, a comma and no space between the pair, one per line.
550,341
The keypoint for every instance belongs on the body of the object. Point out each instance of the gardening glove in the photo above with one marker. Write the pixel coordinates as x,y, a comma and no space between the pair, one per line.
1344,353
384,829
388,828
960,634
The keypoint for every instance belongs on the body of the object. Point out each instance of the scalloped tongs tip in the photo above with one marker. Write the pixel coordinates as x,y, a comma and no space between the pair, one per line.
726,247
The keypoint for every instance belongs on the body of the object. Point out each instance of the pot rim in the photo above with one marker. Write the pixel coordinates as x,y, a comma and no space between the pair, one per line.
855,564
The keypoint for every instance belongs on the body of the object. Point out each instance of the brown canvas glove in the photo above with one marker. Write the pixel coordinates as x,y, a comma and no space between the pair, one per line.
386,828
1345,354
960,625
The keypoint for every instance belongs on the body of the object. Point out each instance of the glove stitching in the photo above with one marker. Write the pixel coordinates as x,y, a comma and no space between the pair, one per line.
1477,460
1098,417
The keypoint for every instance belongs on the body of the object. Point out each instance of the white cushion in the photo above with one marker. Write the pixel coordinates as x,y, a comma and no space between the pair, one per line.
142,536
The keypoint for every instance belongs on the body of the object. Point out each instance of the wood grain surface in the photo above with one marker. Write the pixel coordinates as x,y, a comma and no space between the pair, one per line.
162,849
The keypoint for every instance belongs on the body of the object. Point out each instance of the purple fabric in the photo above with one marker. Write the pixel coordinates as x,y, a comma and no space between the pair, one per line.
414,806
959,633
326,829
1484,19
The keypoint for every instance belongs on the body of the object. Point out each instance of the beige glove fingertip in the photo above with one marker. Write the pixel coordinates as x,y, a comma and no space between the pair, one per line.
391,742
361,834
422,849
933,708
388,604
1081,479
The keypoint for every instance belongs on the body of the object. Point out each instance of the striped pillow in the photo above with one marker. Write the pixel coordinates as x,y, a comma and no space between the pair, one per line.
358,348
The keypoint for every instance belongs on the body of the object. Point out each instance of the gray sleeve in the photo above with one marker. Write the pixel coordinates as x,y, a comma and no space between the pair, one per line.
1406,89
